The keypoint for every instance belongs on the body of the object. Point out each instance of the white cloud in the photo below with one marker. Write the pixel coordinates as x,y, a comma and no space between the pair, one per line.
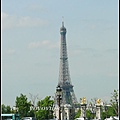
10,51
11,21
84,51
29,22
44,43
34,45
8,21
4,15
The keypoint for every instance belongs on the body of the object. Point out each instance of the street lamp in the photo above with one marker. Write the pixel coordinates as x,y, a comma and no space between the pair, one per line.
83,106
59,98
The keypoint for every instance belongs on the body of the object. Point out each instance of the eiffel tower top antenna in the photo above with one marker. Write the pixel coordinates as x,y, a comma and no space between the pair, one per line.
62,21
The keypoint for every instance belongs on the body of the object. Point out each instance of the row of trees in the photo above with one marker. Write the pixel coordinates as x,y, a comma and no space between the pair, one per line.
28,109
43,108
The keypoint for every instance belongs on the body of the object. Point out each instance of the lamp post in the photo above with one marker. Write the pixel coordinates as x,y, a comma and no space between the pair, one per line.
83,106
59,98
98,109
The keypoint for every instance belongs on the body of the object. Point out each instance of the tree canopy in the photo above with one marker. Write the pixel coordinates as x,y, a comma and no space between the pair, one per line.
6,109
45,109
114,101
23,105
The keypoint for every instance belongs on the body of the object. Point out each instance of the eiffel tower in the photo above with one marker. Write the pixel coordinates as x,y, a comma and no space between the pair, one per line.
64,74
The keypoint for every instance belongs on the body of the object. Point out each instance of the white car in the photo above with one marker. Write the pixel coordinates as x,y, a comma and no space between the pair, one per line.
79,118
112,118
28,118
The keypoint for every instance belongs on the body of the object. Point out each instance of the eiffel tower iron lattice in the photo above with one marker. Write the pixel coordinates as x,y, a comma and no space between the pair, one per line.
64,74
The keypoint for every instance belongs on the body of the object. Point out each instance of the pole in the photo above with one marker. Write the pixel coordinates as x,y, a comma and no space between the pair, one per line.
59,108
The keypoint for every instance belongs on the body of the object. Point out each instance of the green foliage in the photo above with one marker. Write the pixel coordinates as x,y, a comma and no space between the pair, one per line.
6,109
77,115
108,113
41,114
114,101
45,102
23,105
111,112
88,114
103,115
45,113
31,113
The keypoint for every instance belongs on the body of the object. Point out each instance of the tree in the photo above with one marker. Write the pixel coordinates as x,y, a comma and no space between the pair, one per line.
77,115
6,109
108,113
23,105
45,111
88,114
114,101
33,105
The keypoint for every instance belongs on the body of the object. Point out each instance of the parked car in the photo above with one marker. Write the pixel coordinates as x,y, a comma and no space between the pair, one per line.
79,118
28,118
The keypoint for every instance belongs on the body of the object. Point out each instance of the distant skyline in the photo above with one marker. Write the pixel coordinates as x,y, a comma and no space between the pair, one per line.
31,47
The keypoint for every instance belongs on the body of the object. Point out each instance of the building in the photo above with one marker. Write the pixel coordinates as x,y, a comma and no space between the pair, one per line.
68,100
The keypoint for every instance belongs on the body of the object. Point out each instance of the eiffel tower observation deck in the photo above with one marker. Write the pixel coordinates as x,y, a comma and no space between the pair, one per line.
64,75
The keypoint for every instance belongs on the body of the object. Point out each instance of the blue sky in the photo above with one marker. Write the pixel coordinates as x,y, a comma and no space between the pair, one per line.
31,43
